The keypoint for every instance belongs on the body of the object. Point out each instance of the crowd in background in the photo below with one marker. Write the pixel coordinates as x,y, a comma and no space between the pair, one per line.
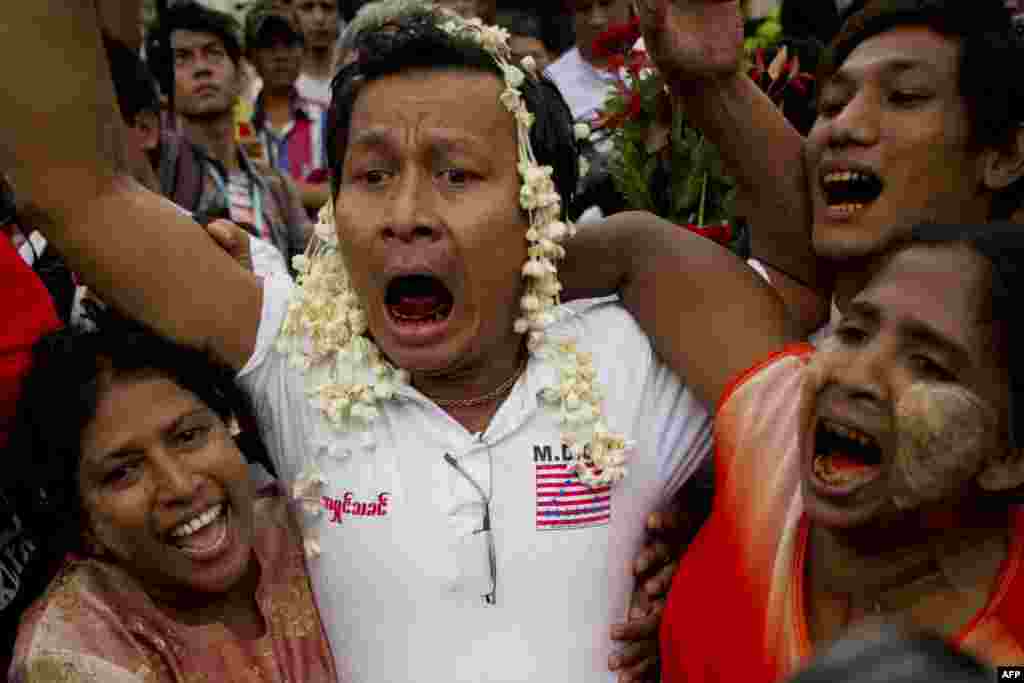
235,123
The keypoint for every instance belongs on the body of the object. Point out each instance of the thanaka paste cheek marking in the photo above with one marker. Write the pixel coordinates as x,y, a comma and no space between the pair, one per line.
944,434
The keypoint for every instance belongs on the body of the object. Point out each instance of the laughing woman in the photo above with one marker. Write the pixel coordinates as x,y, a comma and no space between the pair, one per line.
176,569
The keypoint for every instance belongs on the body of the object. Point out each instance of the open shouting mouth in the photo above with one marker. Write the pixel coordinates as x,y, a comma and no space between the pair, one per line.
419,308
848,192
845,458
413,299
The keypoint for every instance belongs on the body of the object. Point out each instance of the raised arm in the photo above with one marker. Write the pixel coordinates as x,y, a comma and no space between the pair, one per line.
709,316
60,143
697,45
121,20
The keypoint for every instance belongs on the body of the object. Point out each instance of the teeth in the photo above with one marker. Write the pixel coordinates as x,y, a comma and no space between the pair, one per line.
852,434
848,208
825,471
846,176
437,315
197,522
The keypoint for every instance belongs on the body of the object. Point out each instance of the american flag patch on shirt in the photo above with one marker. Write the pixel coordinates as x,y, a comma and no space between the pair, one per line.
565,502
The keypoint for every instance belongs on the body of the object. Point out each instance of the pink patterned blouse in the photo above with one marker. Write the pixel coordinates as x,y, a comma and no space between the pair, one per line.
96,623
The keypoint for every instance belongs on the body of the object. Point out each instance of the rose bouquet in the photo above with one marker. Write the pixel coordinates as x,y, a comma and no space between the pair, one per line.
658,160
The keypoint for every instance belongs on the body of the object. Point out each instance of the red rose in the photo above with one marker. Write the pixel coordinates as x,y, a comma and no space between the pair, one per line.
720,234
616,62
616,39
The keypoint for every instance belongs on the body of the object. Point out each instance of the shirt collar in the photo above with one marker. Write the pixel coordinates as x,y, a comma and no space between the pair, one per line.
295,103
521,403
245,166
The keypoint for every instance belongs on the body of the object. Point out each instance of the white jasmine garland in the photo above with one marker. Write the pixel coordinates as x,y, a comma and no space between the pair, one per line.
324,330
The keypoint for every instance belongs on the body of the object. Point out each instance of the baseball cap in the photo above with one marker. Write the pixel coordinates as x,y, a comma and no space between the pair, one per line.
263,17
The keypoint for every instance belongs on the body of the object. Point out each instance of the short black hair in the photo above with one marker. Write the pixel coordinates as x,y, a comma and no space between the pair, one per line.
192,16
69,372
1002,245
523,21
988,43
134,85
810,20
417,42
895,657
8,204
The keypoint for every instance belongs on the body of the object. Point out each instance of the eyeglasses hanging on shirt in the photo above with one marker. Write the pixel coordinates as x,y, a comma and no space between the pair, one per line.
482,536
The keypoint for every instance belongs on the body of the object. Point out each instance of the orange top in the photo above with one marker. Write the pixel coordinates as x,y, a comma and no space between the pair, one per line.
745,570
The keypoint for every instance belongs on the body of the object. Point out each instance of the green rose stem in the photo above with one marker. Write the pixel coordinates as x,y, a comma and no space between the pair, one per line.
703,196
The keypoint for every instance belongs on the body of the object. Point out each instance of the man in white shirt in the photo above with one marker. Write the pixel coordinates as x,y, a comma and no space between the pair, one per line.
319,21
580,74
462,535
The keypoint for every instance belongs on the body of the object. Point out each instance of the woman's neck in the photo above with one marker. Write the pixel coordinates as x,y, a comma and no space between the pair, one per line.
236,609
938,581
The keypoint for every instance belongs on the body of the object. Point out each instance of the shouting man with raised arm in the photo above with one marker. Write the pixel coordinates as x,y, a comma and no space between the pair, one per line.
916,122
455,442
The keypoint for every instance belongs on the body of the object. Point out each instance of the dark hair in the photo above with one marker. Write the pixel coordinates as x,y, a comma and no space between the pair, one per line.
8,205
988,43
816,20
522,21
417,42
134,85
192,16
895,657
1002,244
70,370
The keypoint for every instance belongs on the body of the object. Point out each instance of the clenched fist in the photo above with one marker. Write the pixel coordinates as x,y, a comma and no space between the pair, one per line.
693,40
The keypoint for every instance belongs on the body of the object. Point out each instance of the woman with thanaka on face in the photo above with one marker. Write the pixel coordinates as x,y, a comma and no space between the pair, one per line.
916,122
176,567
874,477
438,151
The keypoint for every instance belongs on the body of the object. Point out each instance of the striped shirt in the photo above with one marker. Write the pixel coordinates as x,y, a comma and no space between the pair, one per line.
297,148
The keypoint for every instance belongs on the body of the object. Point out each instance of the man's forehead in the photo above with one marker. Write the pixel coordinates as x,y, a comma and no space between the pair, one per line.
442,139
467,100
182,38
584,5
902,48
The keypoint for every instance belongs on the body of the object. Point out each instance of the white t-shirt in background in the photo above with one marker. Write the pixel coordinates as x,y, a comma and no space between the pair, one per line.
316,90
584,88
400,579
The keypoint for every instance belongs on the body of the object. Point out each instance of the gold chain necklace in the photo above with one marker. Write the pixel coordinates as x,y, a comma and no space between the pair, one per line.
490,396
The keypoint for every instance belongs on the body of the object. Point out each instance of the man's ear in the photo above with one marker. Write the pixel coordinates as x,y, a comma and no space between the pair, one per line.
1003,473
147,123
1004,165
